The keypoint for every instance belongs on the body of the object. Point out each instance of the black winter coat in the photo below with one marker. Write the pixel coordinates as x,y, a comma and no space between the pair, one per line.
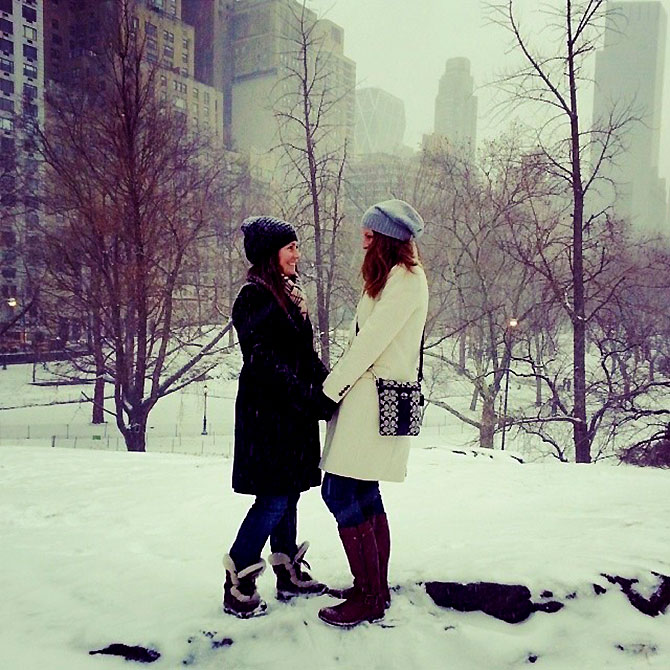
277,448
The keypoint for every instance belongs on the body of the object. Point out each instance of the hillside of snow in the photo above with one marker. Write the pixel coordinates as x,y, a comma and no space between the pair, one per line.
111,547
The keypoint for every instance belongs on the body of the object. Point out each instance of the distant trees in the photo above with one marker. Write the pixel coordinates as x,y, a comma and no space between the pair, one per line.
625,390
480,295
128,185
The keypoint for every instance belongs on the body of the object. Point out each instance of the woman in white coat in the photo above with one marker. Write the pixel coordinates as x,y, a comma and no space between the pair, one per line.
385,340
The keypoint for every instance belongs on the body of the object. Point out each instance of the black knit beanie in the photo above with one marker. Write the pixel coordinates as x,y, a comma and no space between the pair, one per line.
264,236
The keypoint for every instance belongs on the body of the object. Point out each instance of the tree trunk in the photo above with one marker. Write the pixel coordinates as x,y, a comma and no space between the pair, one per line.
462,353
99,399
623,371
98,414
580,433
231,297
135,433
538,379
136,440
487,426
473,400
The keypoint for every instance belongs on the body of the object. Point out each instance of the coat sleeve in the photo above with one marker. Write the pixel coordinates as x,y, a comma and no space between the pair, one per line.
392,311
253,320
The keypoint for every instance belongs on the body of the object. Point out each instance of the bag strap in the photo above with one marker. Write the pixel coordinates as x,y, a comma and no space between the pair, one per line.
423,340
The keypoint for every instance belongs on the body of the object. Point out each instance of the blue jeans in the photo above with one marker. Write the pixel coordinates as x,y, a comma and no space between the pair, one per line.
269,516
351,501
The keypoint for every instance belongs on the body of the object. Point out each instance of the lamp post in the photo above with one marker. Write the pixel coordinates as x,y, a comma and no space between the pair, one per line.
511,325
12,304
204,413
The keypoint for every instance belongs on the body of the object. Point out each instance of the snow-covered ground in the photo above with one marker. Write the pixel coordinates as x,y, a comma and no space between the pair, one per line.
102,546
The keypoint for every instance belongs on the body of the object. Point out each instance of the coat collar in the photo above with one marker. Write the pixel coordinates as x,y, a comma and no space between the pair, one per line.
293,313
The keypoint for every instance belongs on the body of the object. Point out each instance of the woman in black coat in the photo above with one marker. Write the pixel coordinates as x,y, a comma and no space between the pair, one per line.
278,406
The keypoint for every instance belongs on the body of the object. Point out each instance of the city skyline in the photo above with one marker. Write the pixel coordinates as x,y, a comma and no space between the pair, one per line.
402,35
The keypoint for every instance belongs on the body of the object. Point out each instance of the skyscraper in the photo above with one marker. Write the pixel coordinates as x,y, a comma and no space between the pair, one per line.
213,24
629,80
265,35
21,105
74,35
456,106
380,121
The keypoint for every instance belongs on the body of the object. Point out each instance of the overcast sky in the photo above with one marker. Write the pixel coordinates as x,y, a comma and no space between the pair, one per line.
402,46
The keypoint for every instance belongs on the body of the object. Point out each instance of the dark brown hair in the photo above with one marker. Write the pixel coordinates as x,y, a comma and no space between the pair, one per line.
382,255
270,275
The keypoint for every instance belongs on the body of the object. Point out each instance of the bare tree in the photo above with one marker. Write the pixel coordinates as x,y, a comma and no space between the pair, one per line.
313,140
130,185
553,79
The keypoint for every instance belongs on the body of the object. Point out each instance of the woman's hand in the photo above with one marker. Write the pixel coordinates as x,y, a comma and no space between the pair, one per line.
325,407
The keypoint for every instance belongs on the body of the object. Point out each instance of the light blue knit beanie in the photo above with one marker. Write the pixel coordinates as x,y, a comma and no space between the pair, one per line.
394,218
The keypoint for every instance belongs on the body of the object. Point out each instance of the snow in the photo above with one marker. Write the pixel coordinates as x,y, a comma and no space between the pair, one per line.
102,546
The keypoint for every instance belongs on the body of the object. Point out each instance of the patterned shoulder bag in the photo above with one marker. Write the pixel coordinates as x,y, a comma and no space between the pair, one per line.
401,404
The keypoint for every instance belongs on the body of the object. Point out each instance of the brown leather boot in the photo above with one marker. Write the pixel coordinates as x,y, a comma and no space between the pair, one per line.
383,539
366,603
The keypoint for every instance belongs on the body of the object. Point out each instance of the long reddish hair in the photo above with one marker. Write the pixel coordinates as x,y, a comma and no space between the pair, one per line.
381,256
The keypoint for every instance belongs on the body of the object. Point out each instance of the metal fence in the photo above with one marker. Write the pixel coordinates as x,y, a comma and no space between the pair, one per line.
203,445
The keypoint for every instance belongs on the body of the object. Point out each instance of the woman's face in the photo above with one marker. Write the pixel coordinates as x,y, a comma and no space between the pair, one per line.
367,235
288,259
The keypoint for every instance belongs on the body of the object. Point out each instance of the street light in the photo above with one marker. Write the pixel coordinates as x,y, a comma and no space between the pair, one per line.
511,325
204,414
12,304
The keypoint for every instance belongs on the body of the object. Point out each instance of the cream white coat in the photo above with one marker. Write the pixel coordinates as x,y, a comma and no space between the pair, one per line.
388,342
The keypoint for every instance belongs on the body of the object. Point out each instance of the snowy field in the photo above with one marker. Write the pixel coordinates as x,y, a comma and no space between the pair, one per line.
101,546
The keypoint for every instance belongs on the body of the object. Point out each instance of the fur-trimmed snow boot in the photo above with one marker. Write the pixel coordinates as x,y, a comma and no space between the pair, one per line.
383,538
240,597
366,603
292,579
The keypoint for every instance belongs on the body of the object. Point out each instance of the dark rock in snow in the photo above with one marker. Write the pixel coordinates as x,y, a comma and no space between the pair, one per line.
653,606
550,608
214,642
599,590
508,602
130,653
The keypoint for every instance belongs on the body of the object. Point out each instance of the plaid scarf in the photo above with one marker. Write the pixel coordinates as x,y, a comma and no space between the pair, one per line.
295,293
